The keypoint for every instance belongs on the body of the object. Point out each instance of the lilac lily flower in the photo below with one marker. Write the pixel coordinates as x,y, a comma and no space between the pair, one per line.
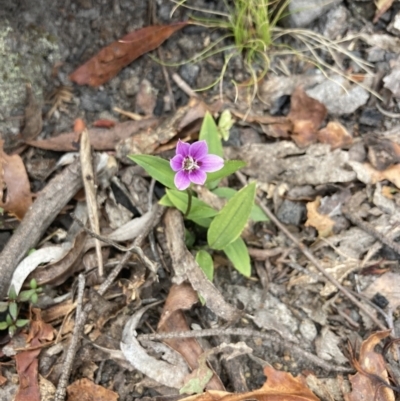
192,162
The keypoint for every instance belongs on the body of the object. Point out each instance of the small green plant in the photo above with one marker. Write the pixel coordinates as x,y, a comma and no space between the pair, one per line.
193,163
10,309
252,33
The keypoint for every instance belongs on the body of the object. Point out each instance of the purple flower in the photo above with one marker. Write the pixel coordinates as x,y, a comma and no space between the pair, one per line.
192,162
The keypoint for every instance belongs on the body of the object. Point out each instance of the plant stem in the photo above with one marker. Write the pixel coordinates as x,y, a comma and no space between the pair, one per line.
189,206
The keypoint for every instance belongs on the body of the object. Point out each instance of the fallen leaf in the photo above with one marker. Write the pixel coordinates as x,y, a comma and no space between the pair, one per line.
111,59
335,134
321,222
86,390
368,175
382,152
146,98
306,115
100,138
381,7
104,123
33,116
371,374
15,190
280,386
27,361
183,297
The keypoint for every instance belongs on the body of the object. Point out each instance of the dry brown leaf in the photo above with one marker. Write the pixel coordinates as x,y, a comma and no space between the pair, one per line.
86,390
27,361
182,297
335,134
111,59
382,152
306,115
100,138
321,222
381,7
368,175
33,116
280,386
370,365
15,190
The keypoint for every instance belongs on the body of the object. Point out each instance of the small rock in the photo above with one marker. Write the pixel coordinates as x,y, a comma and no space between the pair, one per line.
371,117
146,98
95,102
375,54
130,86
308,330
337,100
303,12
292,213
335,24
392,81
394,26
189,73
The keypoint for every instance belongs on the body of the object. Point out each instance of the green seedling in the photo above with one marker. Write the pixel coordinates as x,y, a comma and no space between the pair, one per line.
12,307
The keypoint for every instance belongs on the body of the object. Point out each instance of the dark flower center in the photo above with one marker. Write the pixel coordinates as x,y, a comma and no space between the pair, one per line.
189,164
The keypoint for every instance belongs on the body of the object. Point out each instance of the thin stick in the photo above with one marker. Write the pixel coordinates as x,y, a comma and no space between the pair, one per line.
81,315
249,333
308,254
184,86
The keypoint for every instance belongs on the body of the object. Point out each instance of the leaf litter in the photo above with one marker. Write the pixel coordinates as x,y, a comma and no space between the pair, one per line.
309,157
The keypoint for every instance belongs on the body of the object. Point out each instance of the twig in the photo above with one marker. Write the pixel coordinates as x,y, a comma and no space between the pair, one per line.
370,229
81,315
184,86
308,254
50,201
249,333
134,248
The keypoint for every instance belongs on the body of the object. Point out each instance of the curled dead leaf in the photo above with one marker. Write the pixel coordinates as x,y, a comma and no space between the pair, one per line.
15,190
321,222
335,134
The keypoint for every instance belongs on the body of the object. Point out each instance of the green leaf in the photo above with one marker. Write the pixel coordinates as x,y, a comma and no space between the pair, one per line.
230,167
11,330
3,325
256,214
13,309
33,284
203,222
12,294
165,201
3,306
9,320
231,220
190,239
206,263
198,210
209,133
34,298
25,296
238,254
225,123
157,168
21,322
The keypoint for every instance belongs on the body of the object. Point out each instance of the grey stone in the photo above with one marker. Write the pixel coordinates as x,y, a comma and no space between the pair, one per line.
130,86
308,330
336,22
339,96
303,12
189,73
376,54
371,117
291,212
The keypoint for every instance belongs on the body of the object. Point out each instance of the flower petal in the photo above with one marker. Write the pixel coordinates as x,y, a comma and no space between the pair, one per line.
211,163
182,148
182,180
198,150
176,162
198,177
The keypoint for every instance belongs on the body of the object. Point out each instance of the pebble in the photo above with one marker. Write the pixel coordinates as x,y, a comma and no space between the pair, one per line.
371,117
308,330
130,86
303,12
189,73
292,213
336,22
